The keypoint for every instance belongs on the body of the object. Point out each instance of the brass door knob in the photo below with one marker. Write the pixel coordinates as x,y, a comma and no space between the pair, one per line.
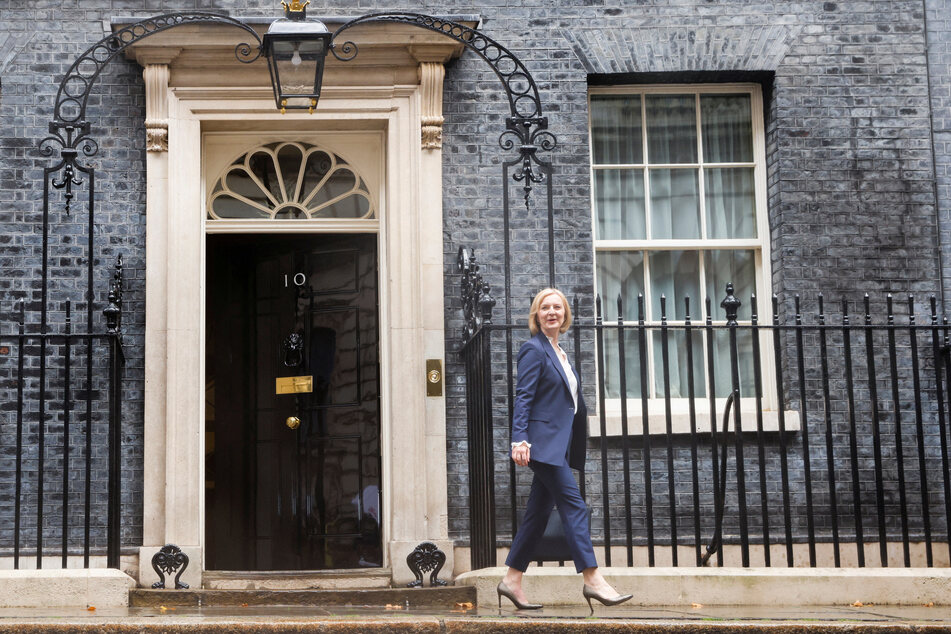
293,422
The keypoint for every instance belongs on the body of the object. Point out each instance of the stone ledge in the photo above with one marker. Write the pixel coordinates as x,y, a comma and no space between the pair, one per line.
409,598
732,586
99,587
419,624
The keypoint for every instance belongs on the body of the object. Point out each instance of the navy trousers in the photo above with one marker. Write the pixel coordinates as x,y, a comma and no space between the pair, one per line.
553,486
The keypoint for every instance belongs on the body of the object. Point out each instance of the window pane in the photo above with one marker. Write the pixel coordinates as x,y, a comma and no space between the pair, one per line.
674,274
727,128
677,364
616,129
675,203
620,273
671,129
723,373
723,267
619,204
730,201
632,364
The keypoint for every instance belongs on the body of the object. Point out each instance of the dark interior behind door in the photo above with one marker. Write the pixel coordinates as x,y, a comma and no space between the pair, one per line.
277,497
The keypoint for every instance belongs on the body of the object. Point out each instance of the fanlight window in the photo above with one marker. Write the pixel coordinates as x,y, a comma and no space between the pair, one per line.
290,181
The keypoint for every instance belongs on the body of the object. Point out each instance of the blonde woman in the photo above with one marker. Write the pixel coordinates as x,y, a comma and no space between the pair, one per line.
548,436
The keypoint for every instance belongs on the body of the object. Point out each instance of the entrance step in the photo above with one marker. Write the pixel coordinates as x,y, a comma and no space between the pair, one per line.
296,580
444,598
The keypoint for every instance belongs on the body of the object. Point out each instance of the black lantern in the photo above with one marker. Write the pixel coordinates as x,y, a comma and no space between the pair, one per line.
296,48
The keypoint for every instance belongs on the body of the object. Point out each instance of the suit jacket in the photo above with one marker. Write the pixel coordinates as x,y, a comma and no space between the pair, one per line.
544,412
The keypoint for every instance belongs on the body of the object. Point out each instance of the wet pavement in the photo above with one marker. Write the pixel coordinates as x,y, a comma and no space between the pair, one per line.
682,619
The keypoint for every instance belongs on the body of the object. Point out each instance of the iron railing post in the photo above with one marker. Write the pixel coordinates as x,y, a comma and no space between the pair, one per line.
920,433
732,305
804,433
113,316
760,437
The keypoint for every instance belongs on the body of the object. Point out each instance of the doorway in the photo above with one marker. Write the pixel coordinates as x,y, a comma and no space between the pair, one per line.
292,390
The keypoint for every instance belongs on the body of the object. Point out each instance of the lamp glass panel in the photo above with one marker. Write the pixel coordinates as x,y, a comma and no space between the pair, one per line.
299,65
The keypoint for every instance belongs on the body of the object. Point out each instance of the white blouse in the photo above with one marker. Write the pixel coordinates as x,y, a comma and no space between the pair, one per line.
572,379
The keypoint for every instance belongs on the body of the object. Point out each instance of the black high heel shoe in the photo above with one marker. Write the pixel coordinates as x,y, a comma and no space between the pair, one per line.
591,594
503,591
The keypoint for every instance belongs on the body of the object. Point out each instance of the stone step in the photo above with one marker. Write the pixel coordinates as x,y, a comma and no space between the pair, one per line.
297,580
443,598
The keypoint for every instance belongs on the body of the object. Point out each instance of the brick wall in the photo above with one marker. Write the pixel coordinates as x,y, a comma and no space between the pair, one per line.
850,165
851,201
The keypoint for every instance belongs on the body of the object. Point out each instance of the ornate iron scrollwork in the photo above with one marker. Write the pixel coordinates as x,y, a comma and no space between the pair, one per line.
526,127
477,300
113,312
166,561
426,557
69,130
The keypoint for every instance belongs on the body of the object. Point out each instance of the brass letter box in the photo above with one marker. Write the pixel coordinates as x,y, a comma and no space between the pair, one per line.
294,384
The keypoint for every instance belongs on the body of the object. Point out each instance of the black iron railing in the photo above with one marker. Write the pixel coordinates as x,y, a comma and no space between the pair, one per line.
60,391
820,438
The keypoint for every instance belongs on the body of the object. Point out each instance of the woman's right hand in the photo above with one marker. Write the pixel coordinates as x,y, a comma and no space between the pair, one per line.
521,454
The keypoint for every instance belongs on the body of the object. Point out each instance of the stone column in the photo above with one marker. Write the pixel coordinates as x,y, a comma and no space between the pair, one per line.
420,493
156,466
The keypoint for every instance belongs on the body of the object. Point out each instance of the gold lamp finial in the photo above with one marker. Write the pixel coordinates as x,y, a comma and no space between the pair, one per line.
295,5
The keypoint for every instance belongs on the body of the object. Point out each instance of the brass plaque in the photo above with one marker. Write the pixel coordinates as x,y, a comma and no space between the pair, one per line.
294,384
433,377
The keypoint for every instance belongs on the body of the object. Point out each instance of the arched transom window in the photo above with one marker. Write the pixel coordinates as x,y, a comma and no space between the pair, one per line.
290,180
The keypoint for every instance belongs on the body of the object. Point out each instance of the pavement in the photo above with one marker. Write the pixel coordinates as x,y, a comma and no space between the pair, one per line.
867,619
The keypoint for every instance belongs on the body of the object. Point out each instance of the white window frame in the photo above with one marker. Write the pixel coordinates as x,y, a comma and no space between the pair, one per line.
760,245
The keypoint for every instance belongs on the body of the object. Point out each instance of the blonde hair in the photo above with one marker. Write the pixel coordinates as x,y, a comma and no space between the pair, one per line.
533,326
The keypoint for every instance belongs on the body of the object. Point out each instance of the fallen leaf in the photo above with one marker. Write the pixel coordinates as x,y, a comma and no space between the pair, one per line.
858,604
91,608
162,608
390,606
244,605
465,605
930,604
696,605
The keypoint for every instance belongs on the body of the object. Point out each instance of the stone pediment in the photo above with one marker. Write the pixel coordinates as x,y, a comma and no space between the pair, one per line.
202,55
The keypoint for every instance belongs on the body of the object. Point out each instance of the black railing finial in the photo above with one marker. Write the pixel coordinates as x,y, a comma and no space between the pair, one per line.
731,304
477,300
113,311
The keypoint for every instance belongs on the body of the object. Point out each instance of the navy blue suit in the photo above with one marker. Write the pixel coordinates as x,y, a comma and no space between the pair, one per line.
544,416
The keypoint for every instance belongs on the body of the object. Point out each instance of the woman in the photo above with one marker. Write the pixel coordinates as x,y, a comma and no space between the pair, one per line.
548,436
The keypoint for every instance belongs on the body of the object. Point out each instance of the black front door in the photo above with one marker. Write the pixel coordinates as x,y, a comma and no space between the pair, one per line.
292,403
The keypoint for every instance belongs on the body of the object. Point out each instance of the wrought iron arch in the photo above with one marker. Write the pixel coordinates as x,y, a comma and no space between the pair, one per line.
526,126
69,128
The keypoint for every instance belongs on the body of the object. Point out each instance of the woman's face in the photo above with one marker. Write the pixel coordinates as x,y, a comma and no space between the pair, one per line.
551,314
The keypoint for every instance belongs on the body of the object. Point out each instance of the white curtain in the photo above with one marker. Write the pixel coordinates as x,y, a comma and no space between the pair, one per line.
673,183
